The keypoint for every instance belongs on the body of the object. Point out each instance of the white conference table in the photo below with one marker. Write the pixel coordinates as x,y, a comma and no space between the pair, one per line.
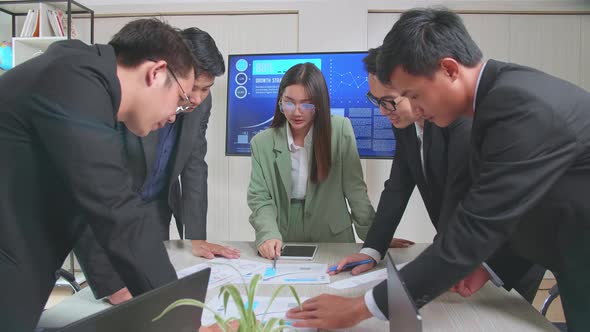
490,309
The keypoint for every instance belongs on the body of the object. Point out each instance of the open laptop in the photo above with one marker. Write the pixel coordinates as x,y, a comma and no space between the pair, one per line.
137,313
403,314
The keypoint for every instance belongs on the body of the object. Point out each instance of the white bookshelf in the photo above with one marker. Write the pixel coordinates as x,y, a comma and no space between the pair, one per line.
24,48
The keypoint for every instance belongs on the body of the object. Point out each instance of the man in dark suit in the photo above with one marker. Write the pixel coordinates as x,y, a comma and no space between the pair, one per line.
156,175
63,158
435,160
529,158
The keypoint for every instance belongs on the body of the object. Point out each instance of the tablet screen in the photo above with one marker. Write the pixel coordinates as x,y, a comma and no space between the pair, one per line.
290,250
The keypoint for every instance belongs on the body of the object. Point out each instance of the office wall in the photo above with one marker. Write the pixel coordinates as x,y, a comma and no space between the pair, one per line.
525,32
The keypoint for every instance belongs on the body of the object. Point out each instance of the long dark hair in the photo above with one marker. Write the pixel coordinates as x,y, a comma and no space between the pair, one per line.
311,78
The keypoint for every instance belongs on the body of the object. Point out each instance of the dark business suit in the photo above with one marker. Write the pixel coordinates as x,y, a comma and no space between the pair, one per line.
62,157
406,173
188,206
530,161
446,152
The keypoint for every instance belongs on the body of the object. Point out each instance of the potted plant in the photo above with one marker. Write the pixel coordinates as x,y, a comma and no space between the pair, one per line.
248,321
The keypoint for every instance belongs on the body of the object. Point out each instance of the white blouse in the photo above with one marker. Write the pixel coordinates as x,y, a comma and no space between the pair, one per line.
300,165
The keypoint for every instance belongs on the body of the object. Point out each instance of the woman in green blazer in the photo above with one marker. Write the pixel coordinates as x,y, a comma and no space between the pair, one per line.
305,169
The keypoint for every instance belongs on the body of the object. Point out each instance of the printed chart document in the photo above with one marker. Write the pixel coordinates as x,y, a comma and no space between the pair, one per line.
278,309
222,272
364,278
294,274
286,274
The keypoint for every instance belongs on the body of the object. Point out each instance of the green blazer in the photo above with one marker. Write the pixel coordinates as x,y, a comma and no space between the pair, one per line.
325,203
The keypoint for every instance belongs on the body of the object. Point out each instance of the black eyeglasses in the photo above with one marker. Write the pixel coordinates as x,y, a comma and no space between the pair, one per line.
185,98
387,103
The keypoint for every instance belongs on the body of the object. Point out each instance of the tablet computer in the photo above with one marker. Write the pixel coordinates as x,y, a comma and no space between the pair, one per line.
299,251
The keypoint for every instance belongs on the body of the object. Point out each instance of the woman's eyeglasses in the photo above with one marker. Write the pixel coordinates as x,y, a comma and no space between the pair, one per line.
289,107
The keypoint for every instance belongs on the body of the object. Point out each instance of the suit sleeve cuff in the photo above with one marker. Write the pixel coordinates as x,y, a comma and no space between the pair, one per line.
372,305
373,253
493,276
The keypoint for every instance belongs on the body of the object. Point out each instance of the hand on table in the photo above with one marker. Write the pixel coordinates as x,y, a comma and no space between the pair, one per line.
120,296
270,248
202,248
330,312
400,243
472,283
354,258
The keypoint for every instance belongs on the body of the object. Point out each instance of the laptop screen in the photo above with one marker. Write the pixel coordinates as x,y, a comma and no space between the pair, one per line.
137,313
403,314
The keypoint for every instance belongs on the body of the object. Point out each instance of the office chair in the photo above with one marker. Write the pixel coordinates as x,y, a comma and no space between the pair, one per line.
553,294
69,277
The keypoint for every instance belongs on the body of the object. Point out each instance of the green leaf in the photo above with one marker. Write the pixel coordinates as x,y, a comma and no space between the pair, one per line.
237,297
225,300
294,292
272,299
270,324
181,302
194,303
252,290
281,327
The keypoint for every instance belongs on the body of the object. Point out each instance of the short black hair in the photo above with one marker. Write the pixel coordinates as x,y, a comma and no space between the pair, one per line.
152,39
370,60
421,38
207,57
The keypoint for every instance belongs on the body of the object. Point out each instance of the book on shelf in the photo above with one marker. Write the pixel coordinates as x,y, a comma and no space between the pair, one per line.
36,28
31,23
55,23
63,18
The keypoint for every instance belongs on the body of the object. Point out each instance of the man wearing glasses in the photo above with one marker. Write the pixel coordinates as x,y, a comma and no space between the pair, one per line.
435,160
157,161
62,158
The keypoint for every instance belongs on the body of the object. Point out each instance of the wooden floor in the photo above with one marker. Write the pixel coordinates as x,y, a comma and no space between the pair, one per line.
555,313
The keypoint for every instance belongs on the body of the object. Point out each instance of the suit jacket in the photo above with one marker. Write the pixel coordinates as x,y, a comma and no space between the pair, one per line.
189,205
187,185
62,157
447,180
325,203
530,160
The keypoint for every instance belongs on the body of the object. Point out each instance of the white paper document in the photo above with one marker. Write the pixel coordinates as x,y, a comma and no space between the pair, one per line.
362,279
294,274
286,274
277,309
222,272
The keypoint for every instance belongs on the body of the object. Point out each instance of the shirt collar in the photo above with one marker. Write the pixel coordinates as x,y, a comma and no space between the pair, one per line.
306,141
477,84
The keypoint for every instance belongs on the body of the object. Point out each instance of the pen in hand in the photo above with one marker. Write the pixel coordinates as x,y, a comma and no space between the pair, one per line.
350,265
274,263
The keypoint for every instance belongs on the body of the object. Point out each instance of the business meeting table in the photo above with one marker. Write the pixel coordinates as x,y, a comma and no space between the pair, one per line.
490,309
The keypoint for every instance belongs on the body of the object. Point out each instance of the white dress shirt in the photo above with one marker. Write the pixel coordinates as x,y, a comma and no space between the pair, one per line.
300,157
420,136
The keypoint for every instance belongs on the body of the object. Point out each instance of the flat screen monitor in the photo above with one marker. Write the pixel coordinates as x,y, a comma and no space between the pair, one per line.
253,83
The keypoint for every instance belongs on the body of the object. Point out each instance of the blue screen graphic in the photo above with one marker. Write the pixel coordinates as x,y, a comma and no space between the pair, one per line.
253,84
